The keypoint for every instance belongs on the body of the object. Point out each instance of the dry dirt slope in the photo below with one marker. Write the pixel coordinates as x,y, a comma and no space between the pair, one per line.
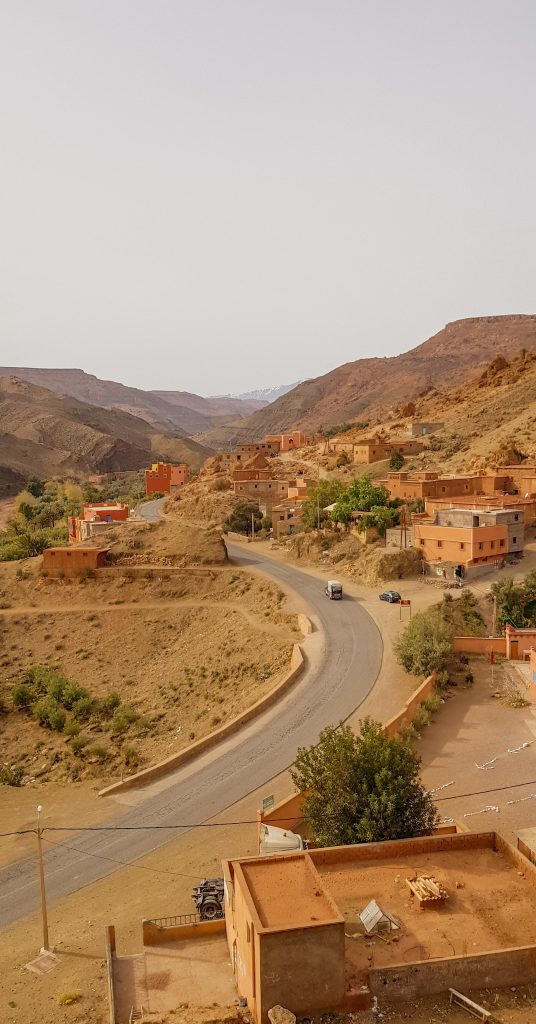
48,434
368,388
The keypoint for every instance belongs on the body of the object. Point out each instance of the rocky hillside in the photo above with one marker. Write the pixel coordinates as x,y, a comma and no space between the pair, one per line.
46,434
489,420
177,411
364,390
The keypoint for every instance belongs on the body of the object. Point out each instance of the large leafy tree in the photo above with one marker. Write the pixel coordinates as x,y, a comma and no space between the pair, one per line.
396,460
323,493
515,603
381,518
425,645
362,788
360,496
239,520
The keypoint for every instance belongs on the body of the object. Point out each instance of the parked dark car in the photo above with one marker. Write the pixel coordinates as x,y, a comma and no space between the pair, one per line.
392,596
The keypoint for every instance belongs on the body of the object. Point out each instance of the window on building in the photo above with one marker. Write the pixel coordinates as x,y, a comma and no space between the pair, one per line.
501,543
421,541
462,546
514,540
440,543
480,546
492,544
516,517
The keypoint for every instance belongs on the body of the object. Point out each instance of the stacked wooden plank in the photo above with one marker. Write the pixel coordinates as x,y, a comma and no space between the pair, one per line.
427,889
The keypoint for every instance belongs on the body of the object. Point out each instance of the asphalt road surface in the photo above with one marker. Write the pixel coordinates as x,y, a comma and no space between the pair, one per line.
344,669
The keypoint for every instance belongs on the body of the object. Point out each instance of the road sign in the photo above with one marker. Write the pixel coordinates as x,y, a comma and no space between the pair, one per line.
404,602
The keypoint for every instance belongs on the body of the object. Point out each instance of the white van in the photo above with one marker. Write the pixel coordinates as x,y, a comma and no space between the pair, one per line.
333,590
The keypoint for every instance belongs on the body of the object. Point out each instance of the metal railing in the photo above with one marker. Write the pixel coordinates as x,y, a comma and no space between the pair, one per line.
174,921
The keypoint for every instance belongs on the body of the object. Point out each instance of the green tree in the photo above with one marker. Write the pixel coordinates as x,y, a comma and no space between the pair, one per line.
323,493
397,460
425,645
360,496
239,520
362,788
511,601
380,518
35,486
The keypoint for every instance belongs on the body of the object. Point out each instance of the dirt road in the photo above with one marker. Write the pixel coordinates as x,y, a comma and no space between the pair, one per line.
343,660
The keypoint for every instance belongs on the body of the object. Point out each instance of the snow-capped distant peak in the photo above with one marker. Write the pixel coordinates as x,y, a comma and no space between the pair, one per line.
264,394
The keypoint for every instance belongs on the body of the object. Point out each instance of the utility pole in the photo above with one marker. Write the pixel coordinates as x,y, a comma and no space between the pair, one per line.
42,881
252,527
494,616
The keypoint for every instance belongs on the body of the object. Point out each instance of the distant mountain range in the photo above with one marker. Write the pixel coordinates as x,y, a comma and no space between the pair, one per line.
46,434
264,395
64,420
177,411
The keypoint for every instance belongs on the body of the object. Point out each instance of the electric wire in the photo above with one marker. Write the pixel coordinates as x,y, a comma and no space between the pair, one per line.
224,824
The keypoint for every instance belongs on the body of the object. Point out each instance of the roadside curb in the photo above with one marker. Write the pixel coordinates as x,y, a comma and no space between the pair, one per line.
182,757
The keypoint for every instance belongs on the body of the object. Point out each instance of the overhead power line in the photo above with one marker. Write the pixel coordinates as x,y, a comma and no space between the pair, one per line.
224,824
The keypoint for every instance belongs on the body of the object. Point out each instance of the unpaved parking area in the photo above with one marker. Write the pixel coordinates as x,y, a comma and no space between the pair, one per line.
474,728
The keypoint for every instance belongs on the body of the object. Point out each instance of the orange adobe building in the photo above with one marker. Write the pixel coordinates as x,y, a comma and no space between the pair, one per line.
289,441
71,561
164,477
94,517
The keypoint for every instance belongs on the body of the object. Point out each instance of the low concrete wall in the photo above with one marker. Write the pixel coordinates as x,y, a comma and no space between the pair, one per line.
394,848
156,771
484,970
305,624
109,947
405,716
480,644
155,935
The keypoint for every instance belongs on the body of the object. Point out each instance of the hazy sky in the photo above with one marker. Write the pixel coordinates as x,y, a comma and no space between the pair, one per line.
214,195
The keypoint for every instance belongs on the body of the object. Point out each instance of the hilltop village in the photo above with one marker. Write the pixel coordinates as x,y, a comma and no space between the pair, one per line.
155,622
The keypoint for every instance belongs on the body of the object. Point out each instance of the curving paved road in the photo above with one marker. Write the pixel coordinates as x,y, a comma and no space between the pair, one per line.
349,650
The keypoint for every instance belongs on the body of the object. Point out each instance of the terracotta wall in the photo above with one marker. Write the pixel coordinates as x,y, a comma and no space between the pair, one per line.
392,849
72,560
156,935
480,644
302,968
443,543
405,716
485,970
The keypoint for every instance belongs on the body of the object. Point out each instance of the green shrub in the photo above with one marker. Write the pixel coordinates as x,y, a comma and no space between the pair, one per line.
72,693
77,744
49,713
123,718
71,728
100,753
421,718
22,696
132,757
82,709
432,703
11,775
111,701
